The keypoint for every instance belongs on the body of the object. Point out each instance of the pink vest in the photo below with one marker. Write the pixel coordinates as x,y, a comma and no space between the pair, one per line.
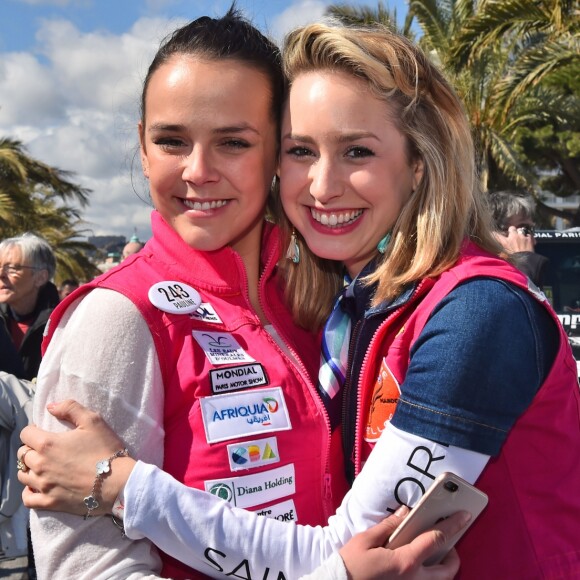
531,526
302,442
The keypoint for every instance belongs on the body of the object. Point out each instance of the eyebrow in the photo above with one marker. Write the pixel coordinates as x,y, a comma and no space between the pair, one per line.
175,128
342,138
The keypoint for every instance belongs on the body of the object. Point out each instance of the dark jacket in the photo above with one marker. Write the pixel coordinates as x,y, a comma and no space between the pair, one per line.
29,355
9,360
532,265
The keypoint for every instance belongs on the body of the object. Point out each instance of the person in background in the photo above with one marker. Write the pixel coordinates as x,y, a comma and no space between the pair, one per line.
27,298
27,295
188,347
66,287
16,396
513,216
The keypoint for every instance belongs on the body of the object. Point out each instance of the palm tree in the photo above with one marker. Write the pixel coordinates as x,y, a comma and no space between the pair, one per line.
61,227
534,107
505,56
33,197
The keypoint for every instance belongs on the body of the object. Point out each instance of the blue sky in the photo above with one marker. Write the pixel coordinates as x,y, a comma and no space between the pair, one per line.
70,77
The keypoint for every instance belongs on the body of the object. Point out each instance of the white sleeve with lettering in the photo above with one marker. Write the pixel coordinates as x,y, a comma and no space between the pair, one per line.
102,354
211,535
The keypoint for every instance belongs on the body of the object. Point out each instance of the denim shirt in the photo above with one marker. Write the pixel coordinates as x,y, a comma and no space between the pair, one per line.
487,334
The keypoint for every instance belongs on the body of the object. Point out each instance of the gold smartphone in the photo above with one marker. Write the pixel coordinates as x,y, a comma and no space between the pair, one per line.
448,494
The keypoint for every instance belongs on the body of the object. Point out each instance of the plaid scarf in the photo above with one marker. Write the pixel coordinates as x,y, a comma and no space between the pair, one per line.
335,342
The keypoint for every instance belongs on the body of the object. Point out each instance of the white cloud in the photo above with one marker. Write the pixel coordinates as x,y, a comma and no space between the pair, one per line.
96,69
28,92
119,206
297,14
89,142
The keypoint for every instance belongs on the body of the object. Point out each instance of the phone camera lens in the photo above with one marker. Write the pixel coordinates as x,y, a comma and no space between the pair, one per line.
450,486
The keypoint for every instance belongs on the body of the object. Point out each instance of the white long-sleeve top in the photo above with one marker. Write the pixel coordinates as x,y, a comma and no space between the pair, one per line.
213,536
102,355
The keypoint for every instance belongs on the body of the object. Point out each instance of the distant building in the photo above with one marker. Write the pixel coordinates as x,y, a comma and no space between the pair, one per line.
107,244
114,249
132,247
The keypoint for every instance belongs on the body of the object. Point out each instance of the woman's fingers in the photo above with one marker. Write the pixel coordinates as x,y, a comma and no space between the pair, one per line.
32,437
430,542
73,412
378,535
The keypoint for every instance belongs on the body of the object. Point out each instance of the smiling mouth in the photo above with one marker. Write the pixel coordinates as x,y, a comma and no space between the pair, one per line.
336,219
205,205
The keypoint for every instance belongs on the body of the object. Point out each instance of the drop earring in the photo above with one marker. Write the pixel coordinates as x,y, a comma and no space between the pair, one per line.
382,245
293,252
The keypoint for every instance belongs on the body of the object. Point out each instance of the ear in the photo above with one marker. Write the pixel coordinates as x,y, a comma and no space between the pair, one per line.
41,278
143,150
418,171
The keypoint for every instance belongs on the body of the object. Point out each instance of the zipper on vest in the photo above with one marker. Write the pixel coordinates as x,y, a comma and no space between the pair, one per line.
297,363
327,474
359,392
327,486
359,411
348,429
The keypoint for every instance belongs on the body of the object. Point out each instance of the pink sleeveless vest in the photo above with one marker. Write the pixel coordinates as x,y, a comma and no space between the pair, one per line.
531,526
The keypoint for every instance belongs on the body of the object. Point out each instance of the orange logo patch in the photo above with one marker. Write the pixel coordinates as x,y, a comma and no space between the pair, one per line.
383,403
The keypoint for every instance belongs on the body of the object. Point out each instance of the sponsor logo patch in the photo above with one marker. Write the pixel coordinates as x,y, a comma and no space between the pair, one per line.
236,378
207,313
236,415
383,403
221,348
251,490
284,512
253,453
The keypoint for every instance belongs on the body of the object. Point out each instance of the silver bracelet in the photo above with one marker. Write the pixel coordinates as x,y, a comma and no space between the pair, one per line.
103,467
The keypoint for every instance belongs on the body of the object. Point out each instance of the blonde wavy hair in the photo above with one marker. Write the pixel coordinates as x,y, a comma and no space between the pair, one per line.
446,207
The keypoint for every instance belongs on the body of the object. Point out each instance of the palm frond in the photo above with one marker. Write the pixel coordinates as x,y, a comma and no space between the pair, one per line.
535,66
433,17
364,15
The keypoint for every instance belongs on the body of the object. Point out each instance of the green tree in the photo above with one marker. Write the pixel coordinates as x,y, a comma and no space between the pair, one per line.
534,102
35,197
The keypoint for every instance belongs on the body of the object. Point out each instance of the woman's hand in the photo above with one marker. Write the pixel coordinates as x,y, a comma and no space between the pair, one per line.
516,240
60,468
366,558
